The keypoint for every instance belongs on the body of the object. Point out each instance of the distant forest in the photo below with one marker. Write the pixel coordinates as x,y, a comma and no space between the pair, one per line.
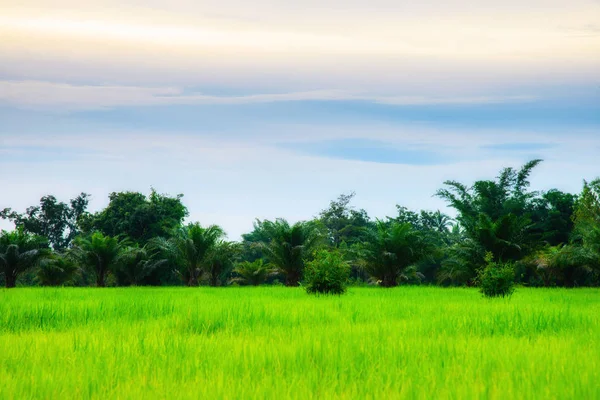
549,238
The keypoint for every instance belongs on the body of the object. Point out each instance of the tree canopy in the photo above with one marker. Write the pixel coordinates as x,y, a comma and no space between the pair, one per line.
543,238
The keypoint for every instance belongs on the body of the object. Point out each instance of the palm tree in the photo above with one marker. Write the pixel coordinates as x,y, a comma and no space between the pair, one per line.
188,250
390,249
463,258
56,270
441,222
220,261
569,265
253,273
135,263
20,251
290,246
100,253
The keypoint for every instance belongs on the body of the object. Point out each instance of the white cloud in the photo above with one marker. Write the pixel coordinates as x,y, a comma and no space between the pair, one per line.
62,96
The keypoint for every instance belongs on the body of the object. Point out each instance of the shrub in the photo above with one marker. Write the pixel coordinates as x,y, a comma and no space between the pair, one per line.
496,279
328,273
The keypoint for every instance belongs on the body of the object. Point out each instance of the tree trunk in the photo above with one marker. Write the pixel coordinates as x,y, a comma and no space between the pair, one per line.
11,281
214,279
100,282
389,280
193,280
292,278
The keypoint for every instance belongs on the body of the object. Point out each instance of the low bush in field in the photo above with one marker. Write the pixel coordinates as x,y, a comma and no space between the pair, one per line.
328,273
496,279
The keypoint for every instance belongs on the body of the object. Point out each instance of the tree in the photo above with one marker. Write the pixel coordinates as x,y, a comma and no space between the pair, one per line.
189,250
563,265
437,229
139,218
586,231
587,211
220,261
552,216
252,273
20,251
343,223
52,219
289,246
434,221
495,215
57,270
99,253
134,264
390,249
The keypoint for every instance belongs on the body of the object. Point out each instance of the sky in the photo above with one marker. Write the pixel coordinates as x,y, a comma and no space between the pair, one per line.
269,109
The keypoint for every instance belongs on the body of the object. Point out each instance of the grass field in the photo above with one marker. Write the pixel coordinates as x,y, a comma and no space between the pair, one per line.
274,342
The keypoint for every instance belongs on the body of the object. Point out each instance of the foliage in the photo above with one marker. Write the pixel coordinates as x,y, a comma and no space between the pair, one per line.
425,220
390,249
289,246
496,279
495,215
327,273
552,216
253,273
20,251
188,250
438,230
138,218
460,265
343,223
220,261
54,220
98,253
134,264
551,238
57,270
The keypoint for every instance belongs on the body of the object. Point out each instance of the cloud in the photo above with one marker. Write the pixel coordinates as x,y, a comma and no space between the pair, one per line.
519,146
341,45
369,150
63,96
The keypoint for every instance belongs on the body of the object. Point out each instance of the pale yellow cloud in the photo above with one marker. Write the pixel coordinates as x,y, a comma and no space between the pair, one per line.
345,42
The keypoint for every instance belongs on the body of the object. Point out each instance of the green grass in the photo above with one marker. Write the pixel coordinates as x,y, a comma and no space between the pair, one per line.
273,342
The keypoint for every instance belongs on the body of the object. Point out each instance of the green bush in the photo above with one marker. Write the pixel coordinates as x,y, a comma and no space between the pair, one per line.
328,273
496,279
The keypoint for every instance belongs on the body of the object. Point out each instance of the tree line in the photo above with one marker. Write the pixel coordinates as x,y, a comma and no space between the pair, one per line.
501,228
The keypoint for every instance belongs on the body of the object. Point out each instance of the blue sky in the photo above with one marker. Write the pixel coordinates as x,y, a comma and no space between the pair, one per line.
271,111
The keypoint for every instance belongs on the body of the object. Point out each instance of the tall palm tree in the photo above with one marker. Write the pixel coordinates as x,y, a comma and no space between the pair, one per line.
188,250
20,251
390,249
289,247
220,261
100,253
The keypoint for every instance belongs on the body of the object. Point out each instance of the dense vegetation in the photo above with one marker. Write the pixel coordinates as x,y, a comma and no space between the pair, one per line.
279,343
501,229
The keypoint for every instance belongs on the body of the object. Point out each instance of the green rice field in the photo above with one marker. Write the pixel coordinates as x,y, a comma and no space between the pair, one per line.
278,343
